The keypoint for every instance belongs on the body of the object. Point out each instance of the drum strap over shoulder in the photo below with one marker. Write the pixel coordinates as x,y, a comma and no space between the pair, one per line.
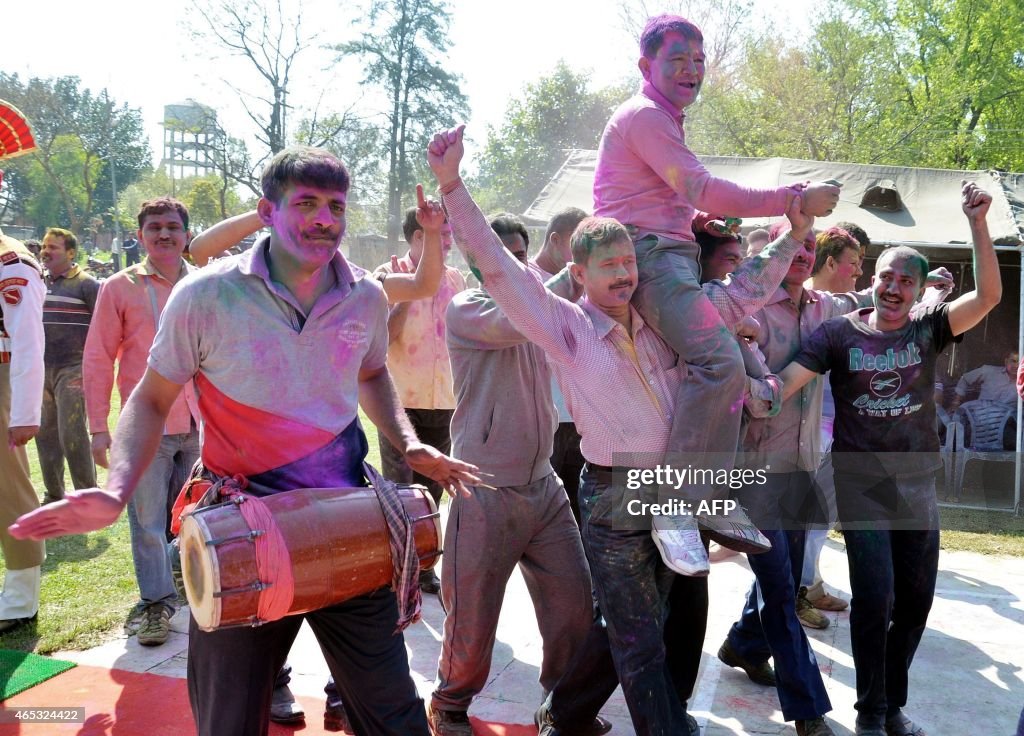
405,578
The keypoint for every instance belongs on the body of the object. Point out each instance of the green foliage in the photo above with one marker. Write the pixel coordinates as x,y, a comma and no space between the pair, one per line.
80,135
960,74
935,83
209,198
403,48
558,112
69,164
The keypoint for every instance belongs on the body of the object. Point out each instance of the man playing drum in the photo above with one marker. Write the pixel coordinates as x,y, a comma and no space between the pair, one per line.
282,341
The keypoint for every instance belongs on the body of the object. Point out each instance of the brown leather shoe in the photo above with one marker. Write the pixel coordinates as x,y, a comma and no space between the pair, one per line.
760,673
830,602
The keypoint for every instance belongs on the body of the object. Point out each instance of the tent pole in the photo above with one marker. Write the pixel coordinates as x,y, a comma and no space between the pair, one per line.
1020,409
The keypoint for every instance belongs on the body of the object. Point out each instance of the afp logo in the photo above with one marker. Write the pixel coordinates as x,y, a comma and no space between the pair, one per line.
885,383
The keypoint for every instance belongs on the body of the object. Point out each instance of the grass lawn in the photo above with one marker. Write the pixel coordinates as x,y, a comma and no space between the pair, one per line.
89,581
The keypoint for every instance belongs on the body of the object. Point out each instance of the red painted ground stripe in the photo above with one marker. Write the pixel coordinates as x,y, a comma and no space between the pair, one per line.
130,703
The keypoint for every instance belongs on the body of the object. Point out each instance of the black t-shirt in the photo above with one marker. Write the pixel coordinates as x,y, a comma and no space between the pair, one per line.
883,384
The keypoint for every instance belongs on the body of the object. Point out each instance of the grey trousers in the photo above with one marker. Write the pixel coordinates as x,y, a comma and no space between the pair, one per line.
709,403
63,433
488,534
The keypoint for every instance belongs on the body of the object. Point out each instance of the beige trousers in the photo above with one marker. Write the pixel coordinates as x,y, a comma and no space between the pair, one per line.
17,496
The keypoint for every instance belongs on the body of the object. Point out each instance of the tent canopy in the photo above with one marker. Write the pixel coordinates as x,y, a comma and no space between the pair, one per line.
928,199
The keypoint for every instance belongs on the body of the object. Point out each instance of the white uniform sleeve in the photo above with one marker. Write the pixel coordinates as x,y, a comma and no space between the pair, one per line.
21,296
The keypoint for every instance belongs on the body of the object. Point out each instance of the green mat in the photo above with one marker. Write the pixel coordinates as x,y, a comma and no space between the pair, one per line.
19,671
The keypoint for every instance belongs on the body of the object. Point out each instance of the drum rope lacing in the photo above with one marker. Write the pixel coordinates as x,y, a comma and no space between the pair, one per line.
273,561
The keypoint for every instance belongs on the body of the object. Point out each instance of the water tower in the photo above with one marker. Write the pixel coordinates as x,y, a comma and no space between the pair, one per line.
191,139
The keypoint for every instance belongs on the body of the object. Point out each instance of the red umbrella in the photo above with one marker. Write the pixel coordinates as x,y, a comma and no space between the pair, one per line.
15,137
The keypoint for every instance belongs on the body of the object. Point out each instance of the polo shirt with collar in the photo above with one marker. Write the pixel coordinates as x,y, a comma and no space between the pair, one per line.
278,388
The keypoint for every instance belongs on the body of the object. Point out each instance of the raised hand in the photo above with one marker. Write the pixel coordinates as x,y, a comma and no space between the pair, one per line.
398,266
444,155
452,474
429,213
800,222
79,512
940,278
974,200
820,199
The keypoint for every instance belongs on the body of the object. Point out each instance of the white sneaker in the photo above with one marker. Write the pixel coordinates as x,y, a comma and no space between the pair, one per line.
20,596
678,541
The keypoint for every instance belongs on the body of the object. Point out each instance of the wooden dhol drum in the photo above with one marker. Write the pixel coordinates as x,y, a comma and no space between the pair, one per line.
337,539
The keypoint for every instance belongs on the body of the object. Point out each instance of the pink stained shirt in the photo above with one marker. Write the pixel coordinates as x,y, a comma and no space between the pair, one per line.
622,408
418,356
122,330
648,178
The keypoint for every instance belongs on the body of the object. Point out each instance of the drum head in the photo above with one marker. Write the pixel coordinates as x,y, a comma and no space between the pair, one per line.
201,572
431,562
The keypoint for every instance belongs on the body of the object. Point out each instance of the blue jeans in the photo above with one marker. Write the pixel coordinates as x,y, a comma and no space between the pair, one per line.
818,535
590,679
892,576
147,515
632,586
768,625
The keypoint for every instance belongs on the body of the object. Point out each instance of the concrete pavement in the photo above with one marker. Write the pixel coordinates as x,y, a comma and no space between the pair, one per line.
968,677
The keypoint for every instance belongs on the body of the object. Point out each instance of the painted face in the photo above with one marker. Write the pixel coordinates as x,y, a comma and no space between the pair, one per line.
609,277
895,287
677,69
307,225
724,260
447,239
516,246
55,256
1011,362
803,262
848,269
164,237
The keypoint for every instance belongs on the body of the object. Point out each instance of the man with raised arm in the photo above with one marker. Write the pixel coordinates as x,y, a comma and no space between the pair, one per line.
504,423
647,179
619,379
321,326
419,364
885,453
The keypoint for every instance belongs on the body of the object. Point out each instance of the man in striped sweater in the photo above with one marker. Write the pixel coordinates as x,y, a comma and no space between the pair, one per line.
70,299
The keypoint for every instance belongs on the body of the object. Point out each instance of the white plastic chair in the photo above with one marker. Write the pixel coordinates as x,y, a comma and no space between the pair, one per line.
984,422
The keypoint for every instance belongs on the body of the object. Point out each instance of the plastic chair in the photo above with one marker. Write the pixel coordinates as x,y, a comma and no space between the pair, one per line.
984,422
953,432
